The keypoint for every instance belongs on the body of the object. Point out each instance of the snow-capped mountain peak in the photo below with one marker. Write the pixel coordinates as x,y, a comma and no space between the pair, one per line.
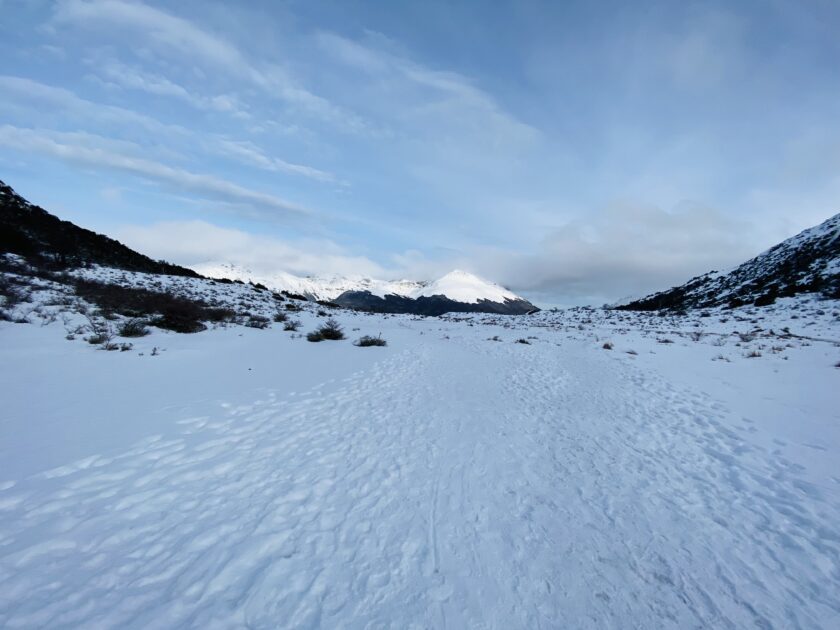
325,287
457,286
466,287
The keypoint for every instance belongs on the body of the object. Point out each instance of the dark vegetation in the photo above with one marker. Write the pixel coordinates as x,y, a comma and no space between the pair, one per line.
134,327
367,341
429,306
332,330
161,309
50,243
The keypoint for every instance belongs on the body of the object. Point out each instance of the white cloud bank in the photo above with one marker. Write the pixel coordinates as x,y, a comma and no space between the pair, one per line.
196,242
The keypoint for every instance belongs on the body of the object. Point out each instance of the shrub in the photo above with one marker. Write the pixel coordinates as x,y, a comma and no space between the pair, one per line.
331,330
292,307
315,335
133,328
217,314
367,341
607,346
13,294
171,311
765,300
178,322
525,341
280,317
257,321
292,325
753,355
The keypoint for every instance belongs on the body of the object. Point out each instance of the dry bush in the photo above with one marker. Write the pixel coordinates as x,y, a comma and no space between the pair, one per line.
368,341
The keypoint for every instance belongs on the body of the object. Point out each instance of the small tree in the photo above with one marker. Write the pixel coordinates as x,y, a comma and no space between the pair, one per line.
332,330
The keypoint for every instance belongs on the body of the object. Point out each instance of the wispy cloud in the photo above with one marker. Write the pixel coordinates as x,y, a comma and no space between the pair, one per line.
185,42
425,92
60,104
91,150
114,73
249,153
163,30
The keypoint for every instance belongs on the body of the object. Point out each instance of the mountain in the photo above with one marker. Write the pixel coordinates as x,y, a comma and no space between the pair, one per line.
806,263
32,232
326,288
457,291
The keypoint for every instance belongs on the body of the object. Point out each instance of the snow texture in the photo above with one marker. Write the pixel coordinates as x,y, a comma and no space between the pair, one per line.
453,479
465,287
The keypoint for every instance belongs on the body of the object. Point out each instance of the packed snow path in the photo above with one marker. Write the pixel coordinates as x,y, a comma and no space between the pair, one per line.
458,483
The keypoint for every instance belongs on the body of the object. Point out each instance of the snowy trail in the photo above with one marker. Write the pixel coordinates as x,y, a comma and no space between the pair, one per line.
457,484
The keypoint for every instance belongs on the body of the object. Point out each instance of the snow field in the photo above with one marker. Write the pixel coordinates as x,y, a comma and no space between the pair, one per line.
444,481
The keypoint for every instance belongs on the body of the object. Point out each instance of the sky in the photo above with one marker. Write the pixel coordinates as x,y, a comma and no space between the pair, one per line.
576,152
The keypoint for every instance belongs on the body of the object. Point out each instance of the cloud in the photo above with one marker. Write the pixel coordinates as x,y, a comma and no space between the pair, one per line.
91,150
249,153
186,43
624,250
28,94
161,30
121,75
446,98
60,104
196,242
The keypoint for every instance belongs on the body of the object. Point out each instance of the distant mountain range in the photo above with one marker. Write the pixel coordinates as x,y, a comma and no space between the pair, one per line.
457,291
30,231
806,263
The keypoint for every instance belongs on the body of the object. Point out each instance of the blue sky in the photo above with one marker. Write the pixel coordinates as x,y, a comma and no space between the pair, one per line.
574,151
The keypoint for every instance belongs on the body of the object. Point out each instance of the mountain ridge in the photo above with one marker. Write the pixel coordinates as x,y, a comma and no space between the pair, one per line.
456,291
808,262
30,231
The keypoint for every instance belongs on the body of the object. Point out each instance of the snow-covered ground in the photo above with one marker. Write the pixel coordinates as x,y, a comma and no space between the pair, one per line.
457,477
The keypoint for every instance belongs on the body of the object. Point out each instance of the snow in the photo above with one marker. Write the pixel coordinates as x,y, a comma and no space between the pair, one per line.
316,287
468,288
455,478
457,285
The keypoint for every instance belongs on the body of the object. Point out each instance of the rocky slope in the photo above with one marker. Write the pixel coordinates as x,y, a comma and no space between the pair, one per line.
806,263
